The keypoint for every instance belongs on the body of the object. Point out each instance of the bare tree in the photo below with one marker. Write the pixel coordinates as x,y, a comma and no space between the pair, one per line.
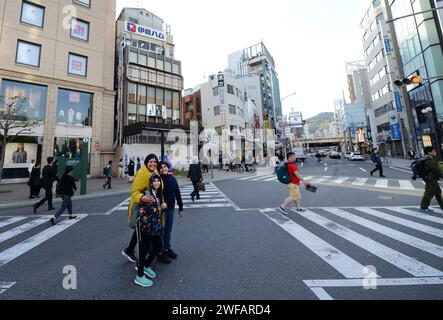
13,122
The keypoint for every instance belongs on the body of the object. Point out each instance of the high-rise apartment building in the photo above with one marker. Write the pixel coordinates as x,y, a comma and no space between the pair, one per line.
258,61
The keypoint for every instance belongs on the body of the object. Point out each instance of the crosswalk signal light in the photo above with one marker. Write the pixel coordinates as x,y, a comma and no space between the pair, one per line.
408,81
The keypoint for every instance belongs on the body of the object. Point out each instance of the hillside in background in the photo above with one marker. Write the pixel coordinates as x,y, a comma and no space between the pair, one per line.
320,122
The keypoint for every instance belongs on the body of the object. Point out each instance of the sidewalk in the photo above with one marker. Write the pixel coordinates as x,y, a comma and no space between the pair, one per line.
12,195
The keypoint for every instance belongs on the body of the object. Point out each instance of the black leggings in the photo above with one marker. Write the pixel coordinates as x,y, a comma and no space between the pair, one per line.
145,245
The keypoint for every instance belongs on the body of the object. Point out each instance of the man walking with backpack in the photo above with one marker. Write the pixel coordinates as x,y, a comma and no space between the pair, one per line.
431,175
294,184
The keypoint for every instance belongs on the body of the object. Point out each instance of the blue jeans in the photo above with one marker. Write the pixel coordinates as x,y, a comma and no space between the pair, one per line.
169,221
67,204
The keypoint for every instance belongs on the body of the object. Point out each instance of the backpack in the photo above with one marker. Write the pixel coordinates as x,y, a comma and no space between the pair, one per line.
105,170
283,174
418,169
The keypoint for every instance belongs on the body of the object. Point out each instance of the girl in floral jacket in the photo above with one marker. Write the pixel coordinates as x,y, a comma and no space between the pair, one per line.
149,229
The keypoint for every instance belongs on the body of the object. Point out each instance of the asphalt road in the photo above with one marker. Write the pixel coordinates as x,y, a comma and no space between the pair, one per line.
237,246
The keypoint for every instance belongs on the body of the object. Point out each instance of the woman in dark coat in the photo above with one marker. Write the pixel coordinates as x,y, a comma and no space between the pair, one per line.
131,171
34,181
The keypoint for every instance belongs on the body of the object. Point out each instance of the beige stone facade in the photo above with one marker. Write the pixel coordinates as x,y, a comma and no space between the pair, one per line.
56,44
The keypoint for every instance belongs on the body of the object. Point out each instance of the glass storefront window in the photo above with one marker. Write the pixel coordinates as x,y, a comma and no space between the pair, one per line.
33,102
32,99
74,108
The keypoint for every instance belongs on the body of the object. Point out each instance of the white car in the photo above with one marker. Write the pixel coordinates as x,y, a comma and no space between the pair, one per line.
356,156
347,155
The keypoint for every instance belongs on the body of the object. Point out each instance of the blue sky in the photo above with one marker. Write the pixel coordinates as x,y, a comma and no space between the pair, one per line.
309,40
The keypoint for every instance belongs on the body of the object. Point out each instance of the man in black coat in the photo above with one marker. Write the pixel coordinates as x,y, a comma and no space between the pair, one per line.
195,175
48,177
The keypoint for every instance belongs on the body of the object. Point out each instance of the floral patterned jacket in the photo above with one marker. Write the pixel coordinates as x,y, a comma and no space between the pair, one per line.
151,222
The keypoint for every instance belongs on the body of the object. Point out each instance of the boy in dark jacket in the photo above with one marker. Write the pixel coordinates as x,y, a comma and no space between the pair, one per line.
171,193
67,189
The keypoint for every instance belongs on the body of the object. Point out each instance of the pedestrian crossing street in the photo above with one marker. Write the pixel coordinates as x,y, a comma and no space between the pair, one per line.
353,181
410,242
36,229
211,198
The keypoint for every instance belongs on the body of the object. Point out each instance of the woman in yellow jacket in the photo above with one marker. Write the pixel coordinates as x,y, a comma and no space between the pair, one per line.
139,187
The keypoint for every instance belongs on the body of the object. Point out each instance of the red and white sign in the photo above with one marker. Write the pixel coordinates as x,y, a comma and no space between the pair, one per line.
74,97
145,31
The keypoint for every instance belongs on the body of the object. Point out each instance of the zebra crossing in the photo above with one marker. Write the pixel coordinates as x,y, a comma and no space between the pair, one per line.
12,228
420,235
407,185
209,199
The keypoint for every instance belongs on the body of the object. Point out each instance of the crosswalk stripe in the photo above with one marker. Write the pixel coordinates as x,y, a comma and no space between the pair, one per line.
192,189
340,180
23,247
407,223
360,182
248,178
271,179
400,260
322,179
380,183
210,200
406,185
210,205
417,215
348,283
394,234
11,221
21,229
202,196
262,178
341,262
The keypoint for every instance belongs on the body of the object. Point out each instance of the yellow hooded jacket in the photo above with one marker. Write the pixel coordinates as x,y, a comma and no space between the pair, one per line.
139,187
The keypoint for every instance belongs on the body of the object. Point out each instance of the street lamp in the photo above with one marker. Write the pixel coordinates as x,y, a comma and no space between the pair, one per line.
281,103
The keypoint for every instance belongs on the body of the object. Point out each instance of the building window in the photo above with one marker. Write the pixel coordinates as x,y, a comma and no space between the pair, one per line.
28,53
217,111
74,108
232,109
80,29
159,96
32,14
176,107
34,103
215,91
230,89
78,65
86,3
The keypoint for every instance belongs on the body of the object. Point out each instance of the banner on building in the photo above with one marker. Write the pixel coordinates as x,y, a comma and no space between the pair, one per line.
145,31
395,128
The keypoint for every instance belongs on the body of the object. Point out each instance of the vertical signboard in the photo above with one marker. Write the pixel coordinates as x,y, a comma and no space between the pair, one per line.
395,127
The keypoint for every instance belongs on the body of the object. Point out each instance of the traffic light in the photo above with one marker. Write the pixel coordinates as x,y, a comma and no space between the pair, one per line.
408,81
